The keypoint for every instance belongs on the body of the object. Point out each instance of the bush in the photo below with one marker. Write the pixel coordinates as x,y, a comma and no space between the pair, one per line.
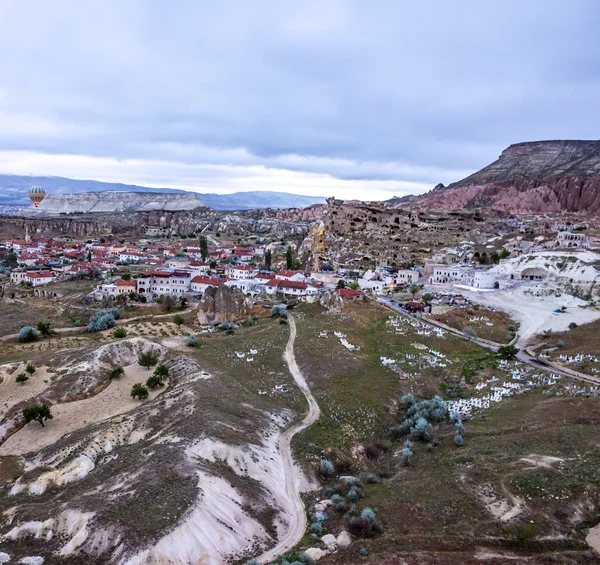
162,372
103,320
119,332
372,478
421,430
116,373
458,440
139,391
353,494
507,352
572,325
178,320
326,468
279,311
560,344
154,382
191,341
29,368
227,326
406,456
147,359
512,328
45,329
27,334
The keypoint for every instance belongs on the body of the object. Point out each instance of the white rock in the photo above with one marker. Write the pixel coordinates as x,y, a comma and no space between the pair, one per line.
323,505
4,557
330,542
344,539
315,553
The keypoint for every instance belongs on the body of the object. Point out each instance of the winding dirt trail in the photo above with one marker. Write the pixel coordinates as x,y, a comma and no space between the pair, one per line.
293,505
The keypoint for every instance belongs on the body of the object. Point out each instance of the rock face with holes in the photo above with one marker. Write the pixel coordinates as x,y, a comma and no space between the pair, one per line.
223,304
527,178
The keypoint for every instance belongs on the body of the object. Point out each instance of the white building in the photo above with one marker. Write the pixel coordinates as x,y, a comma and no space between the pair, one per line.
201,283
451,274
241,272
572,239
164,282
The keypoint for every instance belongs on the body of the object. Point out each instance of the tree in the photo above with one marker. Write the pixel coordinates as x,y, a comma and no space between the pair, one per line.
414,290
22,378
45,329
27,334
427,298
354,285
89,256
470,332
178,320
458,440
421,430
116,373
119,332
182,302
406,455
191,341
147,359
213,264
504,253
341,284
11,260
126,277
167,301
507,352
103,320
495,257
30,368
39,413
289,258
203,248
139,391
154,382
162,372
268,259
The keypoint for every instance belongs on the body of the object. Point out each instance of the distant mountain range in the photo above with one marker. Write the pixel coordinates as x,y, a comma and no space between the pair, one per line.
13,192
537,177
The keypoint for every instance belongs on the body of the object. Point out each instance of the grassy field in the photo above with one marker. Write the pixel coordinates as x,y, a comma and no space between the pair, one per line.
532,456
487,324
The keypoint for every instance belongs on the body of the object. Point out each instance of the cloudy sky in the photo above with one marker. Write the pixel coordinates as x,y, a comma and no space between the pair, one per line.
349,98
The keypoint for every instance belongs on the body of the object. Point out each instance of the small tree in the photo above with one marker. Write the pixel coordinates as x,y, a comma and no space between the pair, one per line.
504,253
39,413
182,302
458,440
178,320
162,371
116,373
507,352
427,298
147,359
30,368
414,290
167,301
203,247
268,259
45,329
22,378
495,257
326,468
119,332
289,258
154,382
470,332
406,456
191,341
27,334
139,391
354,285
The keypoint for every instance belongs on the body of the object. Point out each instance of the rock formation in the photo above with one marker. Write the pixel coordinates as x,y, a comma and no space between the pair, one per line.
113,201
528,178
223,304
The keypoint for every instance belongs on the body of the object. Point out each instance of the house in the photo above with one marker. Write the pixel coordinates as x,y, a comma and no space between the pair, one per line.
287,275
240,272
164,282
125,287
414,306
483,279
452,273
349,294
407,276
37,278
201,283
572,239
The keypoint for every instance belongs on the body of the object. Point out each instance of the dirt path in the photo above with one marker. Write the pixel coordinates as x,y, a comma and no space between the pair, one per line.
293,504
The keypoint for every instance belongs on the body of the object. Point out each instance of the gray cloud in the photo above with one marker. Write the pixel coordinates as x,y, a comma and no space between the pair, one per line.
384,91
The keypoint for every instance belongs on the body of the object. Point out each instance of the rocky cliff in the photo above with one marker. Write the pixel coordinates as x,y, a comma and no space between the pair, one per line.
113,201
527,178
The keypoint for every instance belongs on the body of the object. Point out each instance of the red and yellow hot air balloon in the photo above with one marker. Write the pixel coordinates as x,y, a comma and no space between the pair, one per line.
37,194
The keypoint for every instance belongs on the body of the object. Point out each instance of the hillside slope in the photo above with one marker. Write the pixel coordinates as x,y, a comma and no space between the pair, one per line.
533,177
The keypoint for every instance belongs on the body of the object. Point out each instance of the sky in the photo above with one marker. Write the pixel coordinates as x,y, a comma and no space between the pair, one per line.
352,99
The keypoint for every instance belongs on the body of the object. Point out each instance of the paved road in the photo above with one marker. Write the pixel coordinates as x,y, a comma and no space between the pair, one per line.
293,505
521,356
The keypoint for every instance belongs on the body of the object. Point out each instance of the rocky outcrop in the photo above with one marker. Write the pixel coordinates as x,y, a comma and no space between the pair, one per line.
114,201
223,304
528,178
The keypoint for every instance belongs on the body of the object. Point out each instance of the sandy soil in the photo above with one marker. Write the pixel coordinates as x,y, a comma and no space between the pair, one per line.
71,416
12,393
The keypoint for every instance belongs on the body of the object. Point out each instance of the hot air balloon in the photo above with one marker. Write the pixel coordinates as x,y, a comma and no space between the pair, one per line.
37,194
